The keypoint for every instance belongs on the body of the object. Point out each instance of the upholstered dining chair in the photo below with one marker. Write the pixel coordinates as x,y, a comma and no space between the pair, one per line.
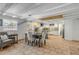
30,38
43,39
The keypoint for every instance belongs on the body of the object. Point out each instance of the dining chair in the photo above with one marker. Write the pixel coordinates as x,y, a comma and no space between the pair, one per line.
43,39
37,41
30,38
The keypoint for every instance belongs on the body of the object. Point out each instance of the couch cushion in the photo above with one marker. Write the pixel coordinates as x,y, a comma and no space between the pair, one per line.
4,37
8,40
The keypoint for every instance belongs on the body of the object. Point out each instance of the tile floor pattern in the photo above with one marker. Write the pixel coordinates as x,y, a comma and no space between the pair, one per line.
55,46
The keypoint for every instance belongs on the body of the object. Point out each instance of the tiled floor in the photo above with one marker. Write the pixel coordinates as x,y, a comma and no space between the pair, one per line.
55,46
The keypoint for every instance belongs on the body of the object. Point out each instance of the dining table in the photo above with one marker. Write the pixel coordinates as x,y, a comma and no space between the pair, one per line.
37,36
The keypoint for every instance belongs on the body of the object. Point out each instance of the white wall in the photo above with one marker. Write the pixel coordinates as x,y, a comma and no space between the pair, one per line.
72,29
22,29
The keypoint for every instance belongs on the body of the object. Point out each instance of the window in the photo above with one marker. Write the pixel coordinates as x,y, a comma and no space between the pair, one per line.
9,25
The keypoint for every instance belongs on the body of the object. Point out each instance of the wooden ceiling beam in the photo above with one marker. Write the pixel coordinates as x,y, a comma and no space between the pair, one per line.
52,17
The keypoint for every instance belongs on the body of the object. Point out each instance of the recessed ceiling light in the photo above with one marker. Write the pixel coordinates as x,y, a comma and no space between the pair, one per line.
4,13
13,16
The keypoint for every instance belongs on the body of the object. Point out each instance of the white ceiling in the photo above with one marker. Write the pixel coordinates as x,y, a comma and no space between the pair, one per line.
22,11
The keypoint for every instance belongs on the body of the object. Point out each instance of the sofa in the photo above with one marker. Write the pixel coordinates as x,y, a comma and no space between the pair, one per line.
7,41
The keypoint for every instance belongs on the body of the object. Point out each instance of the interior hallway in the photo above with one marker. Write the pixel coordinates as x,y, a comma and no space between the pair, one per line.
55,46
